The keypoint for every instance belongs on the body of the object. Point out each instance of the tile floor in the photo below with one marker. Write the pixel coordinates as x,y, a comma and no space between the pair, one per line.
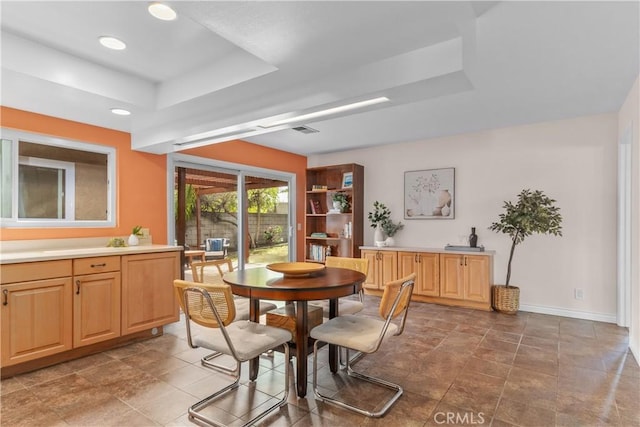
457,367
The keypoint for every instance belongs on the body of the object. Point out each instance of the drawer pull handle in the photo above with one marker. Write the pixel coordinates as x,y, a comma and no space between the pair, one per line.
104,264
77,287
6,297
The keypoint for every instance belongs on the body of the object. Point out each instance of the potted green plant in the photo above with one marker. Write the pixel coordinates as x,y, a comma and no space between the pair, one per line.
380,219
133,237
390,228
534,212
340,201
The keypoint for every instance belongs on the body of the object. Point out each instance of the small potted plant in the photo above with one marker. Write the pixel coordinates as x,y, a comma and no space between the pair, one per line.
390,228
135,233
533,213
340,201
380,215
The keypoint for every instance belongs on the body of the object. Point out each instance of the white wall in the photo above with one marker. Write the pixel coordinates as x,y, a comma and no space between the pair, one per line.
572,161
629,115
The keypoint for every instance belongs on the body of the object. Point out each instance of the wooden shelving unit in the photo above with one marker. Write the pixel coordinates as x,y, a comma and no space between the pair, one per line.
337,234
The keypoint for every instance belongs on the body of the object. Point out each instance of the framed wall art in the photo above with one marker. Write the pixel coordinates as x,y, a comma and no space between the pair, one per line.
429,194
347,180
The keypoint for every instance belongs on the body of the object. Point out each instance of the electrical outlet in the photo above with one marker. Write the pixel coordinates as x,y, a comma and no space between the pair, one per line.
579,294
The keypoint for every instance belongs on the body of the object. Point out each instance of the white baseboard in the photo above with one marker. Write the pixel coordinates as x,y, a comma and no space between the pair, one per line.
598,317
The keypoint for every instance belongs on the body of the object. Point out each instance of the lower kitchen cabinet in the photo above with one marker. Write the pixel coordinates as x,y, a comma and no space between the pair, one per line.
57,310
36,314
383,266
466,277
148,298
443,277
427,269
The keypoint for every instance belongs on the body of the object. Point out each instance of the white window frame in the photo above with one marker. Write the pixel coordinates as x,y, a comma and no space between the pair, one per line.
69,187
13,222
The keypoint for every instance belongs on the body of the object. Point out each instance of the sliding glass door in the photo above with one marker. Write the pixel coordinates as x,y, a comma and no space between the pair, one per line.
242,213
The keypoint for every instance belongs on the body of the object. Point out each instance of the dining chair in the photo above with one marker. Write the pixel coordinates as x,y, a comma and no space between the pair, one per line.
345,305
241,303
213,307
366,334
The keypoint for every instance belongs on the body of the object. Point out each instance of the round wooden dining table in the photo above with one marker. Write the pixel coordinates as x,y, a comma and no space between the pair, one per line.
329,283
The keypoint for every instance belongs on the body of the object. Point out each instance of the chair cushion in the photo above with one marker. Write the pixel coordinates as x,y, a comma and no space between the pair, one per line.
242,307
345,306
356,332
249,339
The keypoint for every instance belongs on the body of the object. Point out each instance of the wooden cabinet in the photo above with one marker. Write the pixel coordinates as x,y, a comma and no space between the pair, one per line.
443,277
96,300
36,311
328,231
148,298
465,277
427,268
383,268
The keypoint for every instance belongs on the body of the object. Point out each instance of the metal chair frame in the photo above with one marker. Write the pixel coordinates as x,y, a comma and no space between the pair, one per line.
406,287
197,272
193,410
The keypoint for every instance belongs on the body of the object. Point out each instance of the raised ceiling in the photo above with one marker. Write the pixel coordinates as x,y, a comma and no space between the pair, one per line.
226,70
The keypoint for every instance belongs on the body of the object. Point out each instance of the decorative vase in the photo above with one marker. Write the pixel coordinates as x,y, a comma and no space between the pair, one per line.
378,236
444,198
389,241
337,206
473,238
133,240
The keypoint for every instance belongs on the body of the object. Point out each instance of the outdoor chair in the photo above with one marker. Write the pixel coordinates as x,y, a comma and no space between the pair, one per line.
215,248
213,307
366,334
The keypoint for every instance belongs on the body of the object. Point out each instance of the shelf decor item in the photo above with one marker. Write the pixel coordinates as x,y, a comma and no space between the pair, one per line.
380,219
429,194
133,237
534,212
340,201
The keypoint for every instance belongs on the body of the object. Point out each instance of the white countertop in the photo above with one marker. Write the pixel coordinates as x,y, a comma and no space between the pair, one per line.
436,250
12,253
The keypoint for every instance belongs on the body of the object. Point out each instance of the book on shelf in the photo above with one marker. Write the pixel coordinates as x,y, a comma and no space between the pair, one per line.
318,252
319,235
315,206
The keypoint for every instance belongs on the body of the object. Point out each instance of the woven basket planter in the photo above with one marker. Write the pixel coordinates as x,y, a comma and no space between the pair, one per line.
505,300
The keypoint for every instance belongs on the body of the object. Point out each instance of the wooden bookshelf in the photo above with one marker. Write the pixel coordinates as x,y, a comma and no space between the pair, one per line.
343,230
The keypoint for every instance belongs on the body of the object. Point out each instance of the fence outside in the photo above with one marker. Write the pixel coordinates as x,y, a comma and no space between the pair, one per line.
220,226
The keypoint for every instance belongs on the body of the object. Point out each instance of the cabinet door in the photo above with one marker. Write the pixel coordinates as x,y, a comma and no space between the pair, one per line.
388,267
372,279
477,272
428,274
148,298
452,276
96,308
36,319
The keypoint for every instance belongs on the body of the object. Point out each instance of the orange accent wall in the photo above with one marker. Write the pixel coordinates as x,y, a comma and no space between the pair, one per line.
246,153
141,193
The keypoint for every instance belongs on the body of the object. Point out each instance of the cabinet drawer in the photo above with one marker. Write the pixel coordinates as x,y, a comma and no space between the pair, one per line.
28,271
95,265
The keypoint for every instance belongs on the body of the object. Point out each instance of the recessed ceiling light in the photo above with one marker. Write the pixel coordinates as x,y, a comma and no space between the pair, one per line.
120,111
162,11
112,43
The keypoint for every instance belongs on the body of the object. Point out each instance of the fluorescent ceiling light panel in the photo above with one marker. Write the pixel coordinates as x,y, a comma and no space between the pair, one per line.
329,111
162,12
